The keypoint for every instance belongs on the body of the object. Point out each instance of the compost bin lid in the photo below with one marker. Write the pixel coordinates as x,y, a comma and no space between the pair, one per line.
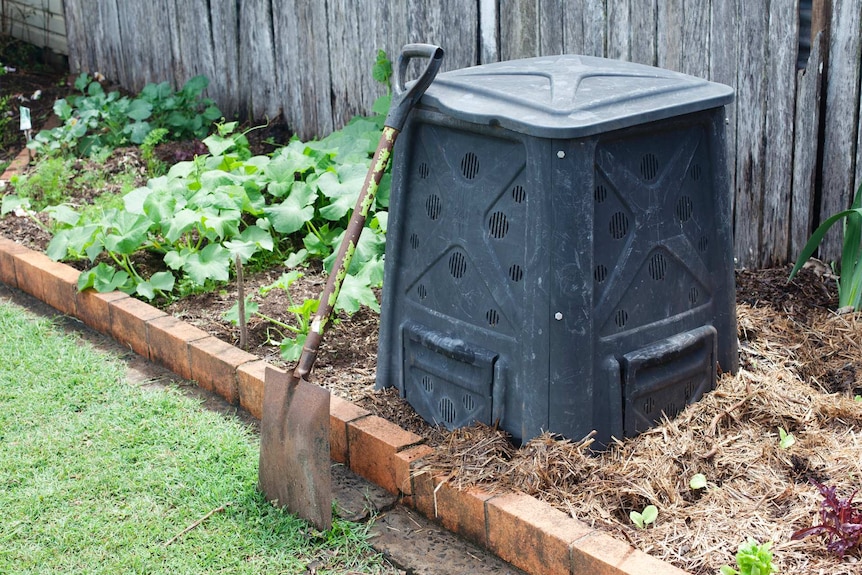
570,96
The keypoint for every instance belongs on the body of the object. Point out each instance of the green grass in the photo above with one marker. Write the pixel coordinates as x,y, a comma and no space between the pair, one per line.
96,475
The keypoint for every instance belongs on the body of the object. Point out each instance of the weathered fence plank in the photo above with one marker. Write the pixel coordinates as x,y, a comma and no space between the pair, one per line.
841,121
257,74
723,54
778,153
671,21
644,23
695,38
807,126
750,113
619,30
519,36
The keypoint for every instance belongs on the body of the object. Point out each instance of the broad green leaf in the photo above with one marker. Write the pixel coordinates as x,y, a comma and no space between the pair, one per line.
291,349
212,262
650,514
63,213
103,278
138,131
12,202
177,259
297,258
321,241
160,281
289,162
182,222
134,200
62,109
341,189
698,481
249,242
370,247
181,170
283,282
355,293
292,213
139,110
217,145
130,232
251,307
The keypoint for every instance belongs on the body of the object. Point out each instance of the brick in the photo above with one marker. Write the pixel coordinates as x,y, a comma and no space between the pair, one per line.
61,288
601,554
531,534
404,463
341,412
214,364
168,339
373,443
129,319
250,378
9,251
31,271
93,308
463,511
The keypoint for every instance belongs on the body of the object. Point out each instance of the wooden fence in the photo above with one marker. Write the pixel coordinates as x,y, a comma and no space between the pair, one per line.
795,147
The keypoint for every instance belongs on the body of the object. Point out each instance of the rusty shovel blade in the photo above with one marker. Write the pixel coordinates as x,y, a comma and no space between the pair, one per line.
294,447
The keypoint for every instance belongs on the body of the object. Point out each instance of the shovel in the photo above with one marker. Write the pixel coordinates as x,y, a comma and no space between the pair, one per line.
294,433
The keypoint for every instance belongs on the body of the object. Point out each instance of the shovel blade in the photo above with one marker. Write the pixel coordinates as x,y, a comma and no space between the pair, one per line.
294,467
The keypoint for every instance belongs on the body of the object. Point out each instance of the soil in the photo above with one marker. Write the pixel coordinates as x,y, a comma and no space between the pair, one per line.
801,366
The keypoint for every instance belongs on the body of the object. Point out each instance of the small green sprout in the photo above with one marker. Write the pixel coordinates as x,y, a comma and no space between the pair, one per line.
644,518
786,440
752,558
698,481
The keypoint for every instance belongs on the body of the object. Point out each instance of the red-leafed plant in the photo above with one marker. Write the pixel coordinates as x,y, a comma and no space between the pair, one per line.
841,522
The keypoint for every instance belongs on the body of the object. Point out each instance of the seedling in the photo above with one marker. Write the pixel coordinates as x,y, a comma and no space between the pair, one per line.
752,558
645,517
698,481
786,440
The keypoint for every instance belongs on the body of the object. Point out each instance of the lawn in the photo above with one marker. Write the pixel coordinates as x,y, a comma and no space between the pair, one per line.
99,476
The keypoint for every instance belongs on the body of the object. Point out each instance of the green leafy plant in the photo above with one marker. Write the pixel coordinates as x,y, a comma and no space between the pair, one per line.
786,440
752,558
44,186
850,276
96,120
154,166
644,518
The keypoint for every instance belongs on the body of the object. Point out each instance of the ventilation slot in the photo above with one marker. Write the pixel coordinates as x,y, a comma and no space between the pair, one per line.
423,170
703,243
693,295
433,205
519,194
649,404
600,274
696,172
684,209
470,165
493,317
689,390
671,410
516,273
601,194
422,291
657,267
414,241
427,384
619,225
447,410
498,225
457,265
621,318
649,167
469,403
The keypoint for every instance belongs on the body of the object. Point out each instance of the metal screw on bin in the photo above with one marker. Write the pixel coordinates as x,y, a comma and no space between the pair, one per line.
558,316
561,154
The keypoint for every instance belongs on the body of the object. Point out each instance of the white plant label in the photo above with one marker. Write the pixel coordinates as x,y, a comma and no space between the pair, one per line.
25,119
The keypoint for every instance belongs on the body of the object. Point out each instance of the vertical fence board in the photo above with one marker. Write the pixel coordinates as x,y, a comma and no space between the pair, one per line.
551,28
519,36
594,14
723,53
619,30
807,125
192,42
344,44
224,33
644,24
449,23
750,152
257,75
489,19
696,39
670,21
781,96
842,109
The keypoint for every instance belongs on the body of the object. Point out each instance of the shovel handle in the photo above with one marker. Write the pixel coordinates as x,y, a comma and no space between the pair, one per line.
403,101
404,98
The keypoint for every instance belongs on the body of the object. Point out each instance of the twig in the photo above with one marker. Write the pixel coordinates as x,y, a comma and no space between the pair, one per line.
196,523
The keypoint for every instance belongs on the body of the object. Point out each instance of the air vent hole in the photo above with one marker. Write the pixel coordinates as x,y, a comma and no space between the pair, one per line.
422,291
657,267
703,243
621,317
619,225
469,403
600,274
493,317
423,170
414,241
498,225
649,167
447,410
457,265
601,194
516,273
470,165
427,384
519,194
693,295
684,209
696,172
433,205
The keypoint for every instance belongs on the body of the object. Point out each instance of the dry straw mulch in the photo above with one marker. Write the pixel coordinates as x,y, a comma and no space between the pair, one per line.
793,361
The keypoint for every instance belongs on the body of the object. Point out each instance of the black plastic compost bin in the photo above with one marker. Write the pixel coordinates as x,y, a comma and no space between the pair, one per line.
559,253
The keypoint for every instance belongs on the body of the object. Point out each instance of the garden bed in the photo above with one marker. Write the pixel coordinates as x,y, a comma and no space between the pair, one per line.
801,367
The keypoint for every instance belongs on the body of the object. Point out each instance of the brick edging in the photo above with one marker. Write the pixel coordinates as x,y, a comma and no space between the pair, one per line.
520,529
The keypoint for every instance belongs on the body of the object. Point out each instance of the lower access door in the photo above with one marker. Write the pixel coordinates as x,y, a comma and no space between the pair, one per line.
448,381
662,378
